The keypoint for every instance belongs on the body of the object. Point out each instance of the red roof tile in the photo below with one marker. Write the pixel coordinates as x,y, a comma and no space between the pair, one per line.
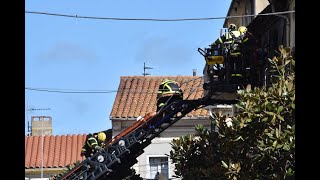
137,95
58,151
35,148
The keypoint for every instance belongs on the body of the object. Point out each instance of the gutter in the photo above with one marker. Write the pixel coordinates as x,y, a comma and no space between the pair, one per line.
254,9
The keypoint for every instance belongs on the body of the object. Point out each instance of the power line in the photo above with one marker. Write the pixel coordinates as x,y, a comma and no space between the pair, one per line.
146,91
153,19
64,91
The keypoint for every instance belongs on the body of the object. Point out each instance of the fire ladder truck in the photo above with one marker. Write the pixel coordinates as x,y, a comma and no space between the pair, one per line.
121,152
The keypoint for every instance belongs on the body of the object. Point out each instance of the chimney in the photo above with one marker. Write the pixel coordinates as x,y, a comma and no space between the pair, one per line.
194,72
41,125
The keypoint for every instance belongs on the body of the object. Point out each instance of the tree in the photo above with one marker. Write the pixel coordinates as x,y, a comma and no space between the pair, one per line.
258,143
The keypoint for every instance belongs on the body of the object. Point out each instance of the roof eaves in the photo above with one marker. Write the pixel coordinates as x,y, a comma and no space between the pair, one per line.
122,118
229,11
33,171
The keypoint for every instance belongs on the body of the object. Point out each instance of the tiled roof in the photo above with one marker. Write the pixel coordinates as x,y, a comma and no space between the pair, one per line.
58,151
136,95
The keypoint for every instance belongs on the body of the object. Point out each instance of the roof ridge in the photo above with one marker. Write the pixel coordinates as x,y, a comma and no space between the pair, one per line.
160,76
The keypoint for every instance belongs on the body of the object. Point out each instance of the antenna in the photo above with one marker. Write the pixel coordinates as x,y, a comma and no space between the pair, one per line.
38,109
144,69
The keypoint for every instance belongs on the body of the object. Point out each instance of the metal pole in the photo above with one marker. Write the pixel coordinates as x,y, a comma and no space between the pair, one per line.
42,149
27,117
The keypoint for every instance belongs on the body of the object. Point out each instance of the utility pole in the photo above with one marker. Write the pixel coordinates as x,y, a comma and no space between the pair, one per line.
144,69
39,109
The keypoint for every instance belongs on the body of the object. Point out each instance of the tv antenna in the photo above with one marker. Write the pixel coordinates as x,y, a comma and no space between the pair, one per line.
144,69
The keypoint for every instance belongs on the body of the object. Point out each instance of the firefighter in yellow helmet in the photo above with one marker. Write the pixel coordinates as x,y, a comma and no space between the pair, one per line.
168,92
229,36
233,41
242,29
93,143
243,33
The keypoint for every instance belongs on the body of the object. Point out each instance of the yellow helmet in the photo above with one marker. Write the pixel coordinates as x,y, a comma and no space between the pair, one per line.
102,136
242,29
232,27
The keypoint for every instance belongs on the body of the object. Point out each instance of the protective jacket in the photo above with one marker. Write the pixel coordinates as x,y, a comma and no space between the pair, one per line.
90,146
169,91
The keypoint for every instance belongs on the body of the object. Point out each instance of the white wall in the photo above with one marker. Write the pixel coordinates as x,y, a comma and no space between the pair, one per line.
161,146
261,5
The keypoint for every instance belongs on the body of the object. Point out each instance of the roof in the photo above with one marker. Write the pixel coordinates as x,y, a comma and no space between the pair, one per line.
136,95
59,151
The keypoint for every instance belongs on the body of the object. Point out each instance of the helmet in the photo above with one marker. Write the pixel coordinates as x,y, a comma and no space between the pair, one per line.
232,27
242,29
167,81
102,136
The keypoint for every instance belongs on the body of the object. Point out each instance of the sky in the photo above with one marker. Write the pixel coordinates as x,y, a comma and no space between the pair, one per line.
77,54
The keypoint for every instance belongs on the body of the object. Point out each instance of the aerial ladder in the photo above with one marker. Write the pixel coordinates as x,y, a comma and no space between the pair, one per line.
120,153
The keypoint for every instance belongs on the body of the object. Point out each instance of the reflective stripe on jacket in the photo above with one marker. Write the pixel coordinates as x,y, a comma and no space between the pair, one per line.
92,142
228,37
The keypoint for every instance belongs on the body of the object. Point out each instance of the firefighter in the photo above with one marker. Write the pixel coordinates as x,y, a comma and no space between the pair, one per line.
243,33
168,92
232,41
94,142
228,37
249,45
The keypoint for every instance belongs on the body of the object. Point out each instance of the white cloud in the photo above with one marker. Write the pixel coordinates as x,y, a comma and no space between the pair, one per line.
163,51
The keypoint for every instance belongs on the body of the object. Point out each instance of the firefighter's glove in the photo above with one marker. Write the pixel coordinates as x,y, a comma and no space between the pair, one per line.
98,148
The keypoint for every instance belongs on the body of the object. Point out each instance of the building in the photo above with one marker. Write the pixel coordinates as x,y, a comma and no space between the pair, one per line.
58,152
136,97
271,30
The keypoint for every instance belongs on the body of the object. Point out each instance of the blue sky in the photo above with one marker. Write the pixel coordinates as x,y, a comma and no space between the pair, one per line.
87,54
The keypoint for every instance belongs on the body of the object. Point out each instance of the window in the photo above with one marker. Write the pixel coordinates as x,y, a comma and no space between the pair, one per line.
159,164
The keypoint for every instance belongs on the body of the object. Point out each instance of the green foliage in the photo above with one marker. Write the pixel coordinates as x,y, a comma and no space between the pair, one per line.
195,155
260,143
133,175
